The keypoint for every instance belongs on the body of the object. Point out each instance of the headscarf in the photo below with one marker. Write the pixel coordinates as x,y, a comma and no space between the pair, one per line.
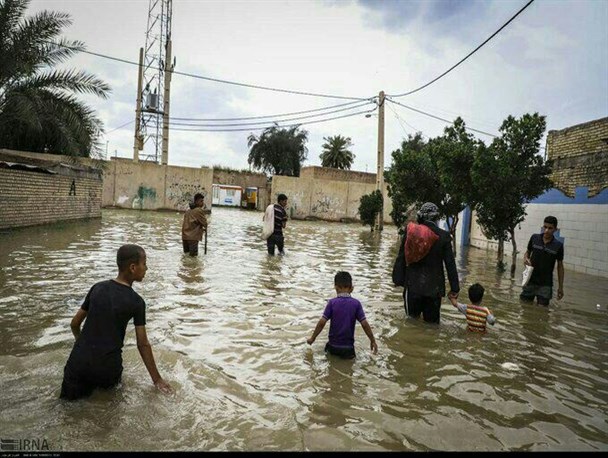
428,212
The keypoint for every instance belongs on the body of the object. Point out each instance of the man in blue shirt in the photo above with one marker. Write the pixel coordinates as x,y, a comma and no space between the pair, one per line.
543,250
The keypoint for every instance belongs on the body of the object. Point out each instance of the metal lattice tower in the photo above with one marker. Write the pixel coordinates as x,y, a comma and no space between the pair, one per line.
153,96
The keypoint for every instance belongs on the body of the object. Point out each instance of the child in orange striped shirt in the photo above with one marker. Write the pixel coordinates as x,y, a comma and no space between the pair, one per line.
477,316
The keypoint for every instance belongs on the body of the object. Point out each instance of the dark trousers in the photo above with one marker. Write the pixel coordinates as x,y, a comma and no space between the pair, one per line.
190,247
415,304
345,353
84,372
275,239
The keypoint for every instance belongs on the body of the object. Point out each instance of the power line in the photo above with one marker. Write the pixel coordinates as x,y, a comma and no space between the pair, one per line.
467,56
120,127
271,125
268,121
401,121
216,80
447,120
439,118
280,115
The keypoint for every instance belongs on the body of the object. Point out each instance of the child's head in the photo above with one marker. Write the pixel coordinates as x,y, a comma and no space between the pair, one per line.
476,293
131,261
343,282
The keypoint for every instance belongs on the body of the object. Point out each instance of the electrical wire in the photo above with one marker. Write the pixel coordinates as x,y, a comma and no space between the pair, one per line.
216,80
439,118
120,127
272,125
447,120
268,121
280,115
467,56
401,121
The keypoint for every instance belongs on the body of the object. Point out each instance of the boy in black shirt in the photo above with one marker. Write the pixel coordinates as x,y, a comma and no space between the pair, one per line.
96,359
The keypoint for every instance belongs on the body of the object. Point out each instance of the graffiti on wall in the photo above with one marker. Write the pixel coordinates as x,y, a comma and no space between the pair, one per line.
325,205
143,193
181,194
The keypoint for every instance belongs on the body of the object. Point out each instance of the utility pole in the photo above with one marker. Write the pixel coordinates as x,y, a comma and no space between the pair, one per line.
168,73
137,142
379,225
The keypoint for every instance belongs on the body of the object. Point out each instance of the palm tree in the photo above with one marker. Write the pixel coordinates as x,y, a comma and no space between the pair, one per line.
39,110
336,153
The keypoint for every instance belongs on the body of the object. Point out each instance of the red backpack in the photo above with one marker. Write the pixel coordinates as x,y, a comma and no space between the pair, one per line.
418,243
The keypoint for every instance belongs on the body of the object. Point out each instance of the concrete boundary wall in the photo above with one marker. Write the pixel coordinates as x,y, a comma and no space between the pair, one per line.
326,199
150,186
127,184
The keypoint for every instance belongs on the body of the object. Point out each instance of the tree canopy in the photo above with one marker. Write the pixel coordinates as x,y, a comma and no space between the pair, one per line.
39,110
279,151
336,152
437,170
508,174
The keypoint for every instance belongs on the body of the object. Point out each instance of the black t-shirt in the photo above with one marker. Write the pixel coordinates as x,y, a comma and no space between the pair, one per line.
543,257
280,215
110,306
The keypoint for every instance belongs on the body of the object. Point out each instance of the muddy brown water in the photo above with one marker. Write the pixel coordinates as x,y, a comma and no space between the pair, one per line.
228,332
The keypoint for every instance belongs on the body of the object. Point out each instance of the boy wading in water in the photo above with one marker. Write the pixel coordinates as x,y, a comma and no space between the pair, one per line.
343,311
477,315
96,359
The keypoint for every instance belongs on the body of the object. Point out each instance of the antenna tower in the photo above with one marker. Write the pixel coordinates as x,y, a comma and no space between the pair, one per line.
155,69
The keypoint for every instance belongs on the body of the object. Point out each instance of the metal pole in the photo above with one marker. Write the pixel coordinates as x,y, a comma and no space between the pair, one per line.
137,143
205,241
380,169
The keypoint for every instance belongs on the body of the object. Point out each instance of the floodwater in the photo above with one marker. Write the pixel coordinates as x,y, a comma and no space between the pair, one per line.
229,333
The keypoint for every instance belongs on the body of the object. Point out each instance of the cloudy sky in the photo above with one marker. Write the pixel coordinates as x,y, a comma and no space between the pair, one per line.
552,59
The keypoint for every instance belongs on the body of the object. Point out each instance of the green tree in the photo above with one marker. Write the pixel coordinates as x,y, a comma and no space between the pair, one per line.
279,151
369,207
508,174
39,110
435,171
336,152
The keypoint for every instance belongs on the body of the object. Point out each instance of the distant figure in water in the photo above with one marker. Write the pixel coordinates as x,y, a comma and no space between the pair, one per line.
96,358
193,225
275,220
476,314
343,311
424,250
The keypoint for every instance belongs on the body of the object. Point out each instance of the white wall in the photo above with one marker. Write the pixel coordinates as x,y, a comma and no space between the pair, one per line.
583,228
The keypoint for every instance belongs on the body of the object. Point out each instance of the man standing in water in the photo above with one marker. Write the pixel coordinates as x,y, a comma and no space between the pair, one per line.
280,221
193,226
543,250
424,284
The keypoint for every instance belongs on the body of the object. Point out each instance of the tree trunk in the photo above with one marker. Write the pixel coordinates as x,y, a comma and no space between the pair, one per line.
452,228
501,252
514,254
